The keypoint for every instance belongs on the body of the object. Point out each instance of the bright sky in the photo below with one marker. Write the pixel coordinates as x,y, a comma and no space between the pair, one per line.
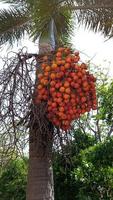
92,47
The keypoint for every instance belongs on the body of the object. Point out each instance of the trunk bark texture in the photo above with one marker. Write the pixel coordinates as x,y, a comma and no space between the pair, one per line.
40,175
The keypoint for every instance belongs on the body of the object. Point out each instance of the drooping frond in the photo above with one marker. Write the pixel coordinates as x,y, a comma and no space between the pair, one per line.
93,4
13,24
98,20
96,15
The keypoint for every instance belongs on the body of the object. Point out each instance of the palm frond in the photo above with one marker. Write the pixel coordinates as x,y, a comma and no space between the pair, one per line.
13,24
93,4
98,20
95,14
44,11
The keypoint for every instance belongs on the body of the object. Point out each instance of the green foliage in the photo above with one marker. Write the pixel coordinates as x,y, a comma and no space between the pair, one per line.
13,24
101,153
85,173
106,100
90,177
66,188
82,141
95,172
13,181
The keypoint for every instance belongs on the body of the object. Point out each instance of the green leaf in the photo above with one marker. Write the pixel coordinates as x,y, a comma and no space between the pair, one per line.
13,24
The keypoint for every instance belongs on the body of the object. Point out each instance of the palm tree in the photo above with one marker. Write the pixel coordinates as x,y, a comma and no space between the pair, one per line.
51,22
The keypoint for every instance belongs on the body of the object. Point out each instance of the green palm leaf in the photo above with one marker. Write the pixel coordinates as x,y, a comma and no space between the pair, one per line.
96,15
13,24
98,20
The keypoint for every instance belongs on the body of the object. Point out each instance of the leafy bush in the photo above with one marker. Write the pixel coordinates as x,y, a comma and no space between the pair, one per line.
13,181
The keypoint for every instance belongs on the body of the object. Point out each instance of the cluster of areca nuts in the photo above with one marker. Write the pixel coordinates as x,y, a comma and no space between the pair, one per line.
66,86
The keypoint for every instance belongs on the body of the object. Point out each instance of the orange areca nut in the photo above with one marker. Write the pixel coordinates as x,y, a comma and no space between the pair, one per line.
68,90
52,83
54,105
59,62
40,76
52,76
62,89
68,60
83,99
46,74
52,89
62,109
54,66
85,84
60,49
46,82
59,94
58,75
59,54
66,96
62,68
59,100
58,85
40,87
42,81
66,101
53,93
67,66
66,84
63,62
43,91
48,69
43,65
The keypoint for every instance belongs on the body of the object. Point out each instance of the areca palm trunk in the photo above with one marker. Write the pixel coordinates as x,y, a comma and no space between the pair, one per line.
40,174
40,181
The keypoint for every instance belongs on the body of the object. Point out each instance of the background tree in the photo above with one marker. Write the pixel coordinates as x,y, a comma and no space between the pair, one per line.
91,173
49,20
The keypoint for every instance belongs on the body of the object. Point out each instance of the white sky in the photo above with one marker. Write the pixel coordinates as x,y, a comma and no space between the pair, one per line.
92,47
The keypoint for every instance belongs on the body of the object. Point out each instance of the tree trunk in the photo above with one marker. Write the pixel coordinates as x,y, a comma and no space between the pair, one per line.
40,174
